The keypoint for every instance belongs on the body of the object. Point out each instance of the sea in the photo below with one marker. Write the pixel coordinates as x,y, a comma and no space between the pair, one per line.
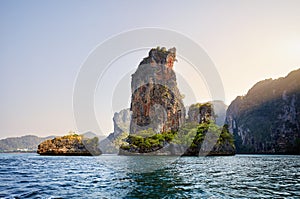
111,176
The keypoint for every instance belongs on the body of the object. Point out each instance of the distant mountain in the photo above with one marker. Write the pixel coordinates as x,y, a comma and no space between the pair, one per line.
267,118
27,143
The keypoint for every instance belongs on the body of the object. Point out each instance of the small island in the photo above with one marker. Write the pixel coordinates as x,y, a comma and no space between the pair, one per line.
70,145
158,124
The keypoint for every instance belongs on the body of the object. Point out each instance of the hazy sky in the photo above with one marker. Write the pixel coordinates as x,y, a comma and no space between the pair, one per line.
44,44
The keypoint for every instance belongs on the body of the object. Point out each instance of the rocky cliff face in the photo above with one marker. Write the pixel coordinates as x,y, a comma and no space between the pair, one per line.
267,119
70,145
209,138
213,110
156,102
121,120
201,113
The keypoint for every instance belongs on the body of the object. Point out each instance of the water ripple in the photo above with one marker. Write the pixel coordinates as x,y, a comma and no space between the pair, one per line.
242,176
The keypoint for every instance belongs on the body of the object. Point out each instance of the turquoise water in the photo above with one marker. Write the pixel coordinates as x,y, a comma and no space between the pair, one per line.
241,176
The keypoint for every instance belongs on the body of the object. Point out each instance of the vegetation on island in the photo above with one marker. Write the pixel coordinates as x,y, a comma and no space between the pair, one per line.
147,140
190,136
72,144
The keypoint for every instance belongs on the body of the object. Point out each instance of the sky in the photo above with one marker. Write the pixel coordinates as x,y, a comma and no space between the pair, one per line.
45,43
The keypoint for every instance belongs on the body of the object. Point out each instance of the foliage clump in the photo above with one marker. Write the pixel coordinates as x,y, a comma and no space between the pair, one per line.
147,140
190,136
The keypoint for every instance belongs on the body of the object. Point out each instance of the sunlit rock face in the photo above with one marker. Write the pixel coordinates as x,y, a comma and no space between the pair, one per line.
75,145
267,118
205,112
156,101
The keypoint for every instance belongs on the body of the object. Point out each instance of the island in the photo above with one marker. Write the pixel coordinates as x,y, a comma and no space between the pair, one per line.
70,145
158,124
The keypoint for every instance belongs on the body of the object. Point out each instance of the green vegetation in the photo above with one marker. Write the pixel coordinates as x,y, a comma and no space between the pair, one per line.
190,135
200,105
29,143
147,139
73,136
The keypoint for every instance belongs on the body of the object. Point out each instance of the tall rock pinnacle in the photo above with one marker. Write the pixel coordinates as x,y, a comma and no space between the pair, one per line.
156,102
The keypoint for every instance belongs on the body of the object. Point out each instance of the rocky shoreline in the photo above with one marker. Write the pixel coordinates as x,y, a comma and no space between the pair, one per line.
70,145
